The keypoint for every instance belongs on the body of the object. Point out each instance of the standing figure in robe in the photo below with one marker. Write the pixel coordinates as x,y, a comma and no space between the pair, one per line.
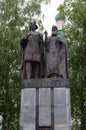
56,55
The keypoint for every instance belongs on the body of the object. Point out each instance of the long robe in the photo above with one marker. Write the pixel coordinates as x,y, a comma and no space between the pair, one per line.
56,57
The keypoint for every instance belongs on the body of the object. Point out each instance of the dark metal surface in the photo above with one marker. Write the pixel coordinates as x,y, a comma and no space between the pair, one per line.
37,109
45,83
31,53
44,128
56,55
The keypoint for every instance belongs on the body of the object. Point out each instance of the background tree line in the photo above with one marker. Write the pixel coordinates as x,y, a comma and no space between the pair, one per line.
73,12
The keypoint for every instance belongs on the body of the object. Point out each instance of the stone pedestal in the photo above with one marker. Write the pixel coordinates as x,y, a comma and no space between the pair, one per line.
28,109
45,104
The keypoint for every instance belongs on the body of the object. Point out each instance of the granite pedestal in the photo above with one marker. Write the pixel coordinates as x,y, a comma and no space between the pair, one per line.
45,104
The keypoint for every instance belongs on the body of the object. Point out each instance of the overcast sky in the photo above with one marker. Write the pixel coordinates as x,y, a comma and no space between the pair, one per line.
50,12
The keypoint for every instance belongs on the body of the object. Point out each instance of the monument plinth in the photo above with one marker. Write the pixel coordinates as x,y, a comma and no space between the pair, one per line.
45,104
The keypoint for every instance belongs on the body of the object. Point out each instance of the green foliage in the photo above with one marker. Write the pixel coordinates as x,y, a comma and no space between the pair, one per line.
74,14
14,18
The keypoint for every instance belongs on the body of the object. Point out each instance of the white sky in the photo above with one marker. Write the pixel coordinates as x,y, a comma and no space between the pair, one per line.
50,12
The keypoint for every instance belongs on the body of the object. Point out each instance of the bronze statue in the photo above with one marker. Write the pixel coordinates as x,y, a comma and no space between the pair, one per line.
32,49
56,55
38,61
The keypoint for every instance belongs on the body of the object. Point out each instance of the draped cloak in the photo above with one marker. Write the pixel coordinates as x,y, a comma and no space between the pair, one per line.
56,57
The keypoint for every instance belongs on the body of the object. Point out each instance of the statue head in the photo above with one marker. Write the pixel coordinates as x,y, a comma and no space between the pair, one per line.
54,30
33,26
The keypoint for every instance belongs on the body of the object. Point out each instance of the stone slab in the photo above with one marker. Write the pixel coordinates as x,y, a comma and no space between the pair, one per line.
28,107
44,97
62,106
44,107
60,115
29,116
59,96
28,127
45,83
28,97
44,115
61,127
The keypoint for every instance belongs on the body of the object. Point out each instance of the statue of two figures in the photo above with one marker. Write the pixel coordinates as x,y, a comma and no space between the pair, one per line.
43,58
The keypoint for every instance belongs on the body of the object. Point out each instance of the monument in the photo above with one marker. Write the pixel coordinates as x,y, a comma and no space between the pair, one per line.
45,88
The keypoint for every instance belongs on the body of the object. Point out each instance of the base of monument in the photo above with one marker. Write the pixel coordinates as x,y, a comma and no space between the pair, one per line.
45,104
